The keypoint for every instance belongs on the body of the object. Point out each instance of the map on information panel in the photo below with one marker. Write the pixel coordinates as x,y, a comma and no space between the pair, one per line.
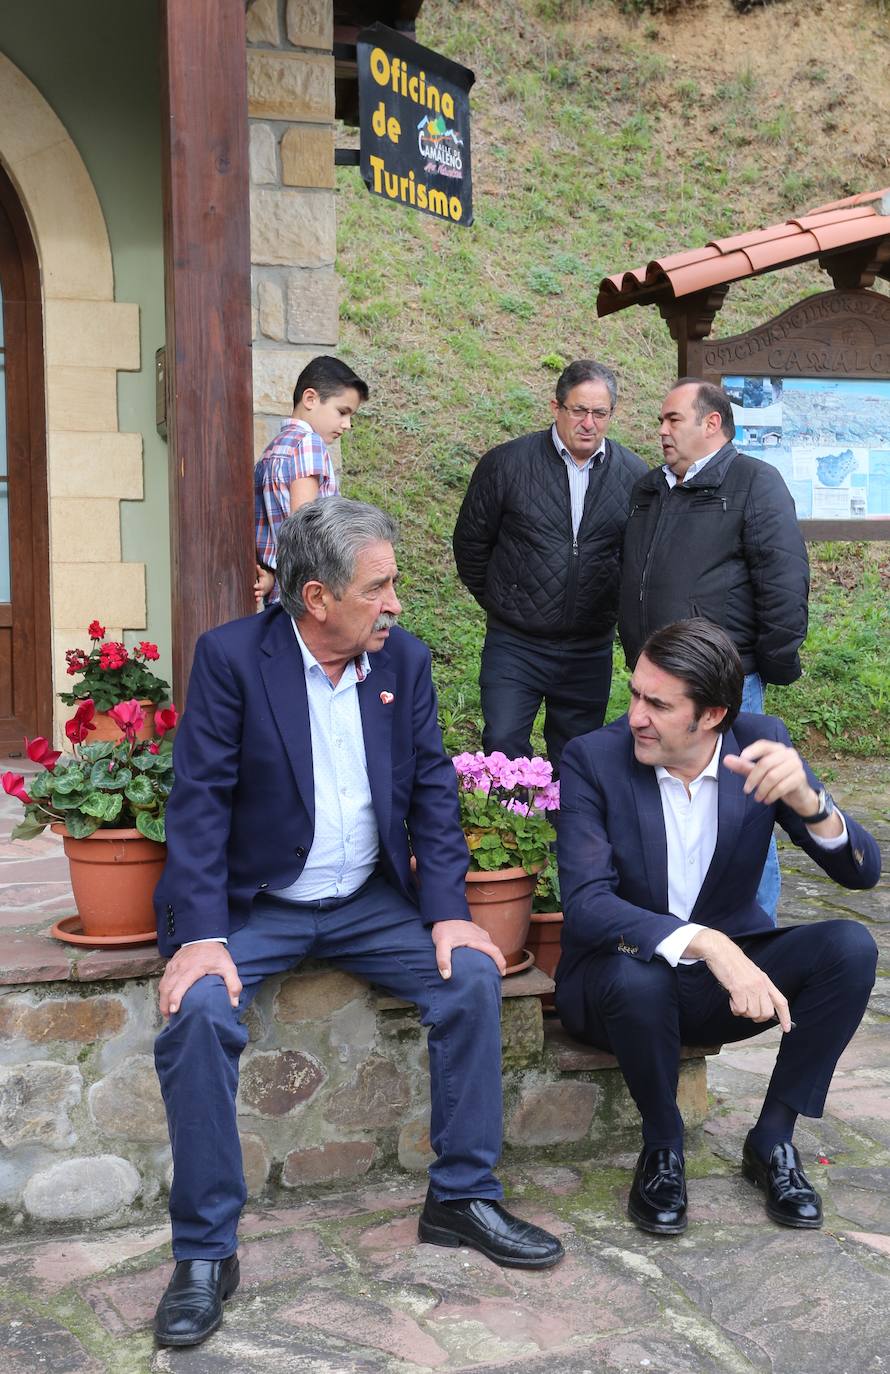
830,440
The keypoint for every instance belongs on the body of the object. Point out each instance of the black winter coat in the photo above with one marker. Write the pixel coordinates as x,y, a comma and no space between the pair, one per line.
724,545
514,547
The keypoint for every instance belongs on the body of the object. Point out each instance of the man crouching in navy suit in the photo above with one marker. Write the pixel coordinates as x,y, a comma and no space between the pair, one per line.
665,820
308,756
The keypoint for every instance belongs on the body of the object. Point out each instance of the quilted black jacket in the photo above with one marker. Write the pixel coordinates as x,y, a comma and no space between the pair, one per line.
513,540
724,545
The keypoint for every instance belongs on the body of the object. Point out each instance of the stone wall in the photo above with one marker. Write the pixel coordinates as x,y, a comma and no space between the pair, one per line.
334,1083
290,74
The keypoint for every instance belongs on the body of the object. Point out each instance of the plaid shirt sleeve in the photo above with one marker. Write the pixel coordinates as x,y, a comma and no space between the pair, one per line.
288,457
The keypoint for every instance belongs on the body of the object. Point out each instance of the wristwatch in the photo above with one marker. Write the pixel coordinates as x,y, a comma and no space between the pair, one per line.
826,808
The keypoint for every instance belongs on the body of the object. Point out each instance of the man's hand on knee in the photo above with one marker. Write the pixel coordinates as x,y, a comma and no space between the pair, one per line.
450,935
751,993
191,963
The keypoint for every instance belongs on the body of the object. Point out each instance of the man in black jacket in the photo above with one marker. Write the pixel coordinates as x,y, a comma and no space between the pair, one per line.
713,533
538,543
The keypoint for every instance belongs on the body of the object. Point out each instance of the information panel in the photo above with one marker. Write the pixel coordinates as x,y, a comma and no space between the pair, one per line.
414,114
830,440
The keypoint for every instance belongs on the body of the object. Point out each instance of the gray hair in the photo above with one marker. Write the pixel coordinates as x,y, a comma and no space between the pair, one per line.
321,541
586,370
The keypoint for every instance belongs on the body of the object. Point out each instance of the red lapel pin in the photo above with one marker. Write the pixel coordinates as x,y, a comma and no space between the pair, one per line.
387,698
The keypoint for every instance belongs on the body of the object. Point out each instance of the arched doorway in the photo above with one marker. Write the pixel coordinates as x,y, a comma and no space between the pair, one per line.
25,639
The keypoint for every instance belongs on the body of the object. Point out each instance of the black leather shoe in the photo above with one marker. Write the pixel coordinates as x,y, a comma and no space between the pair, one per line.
192,1306
484,1224
791,1199
657,1201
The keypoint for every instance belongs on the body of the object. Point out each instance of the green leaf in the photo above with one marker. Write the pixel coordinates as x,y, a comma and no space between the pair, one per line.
110,781
28,828
71,780
80,826
106,806
152,827
140,791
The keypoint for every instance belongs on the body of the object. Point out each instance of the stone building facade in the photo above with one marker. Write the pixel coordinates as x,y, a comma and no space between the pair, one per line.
81,146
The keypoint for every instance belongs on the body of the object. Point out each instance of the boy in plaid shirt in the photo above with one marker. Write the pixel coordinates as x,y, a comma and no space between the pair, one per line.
296,466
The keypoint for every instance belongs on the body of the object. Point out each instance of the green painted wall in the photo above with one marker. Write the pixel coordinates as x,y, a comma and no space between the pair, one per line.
96,63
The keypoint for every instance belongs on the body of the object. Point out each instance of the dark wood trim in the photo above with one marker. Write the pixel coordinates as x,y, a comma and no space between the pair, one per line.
207,294
28,498
874,529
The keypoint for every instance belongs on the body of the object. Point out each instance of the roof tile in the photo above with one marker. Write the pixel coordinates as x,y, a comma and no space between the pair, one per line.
845,223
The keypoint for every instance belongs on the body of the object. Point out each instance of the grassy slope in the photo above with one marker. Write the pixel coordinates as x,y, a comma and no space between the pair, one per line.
601,139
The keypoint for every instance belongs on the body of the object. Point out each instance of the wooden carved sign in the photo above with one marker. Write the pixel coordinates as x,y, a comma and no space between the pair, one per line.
811,396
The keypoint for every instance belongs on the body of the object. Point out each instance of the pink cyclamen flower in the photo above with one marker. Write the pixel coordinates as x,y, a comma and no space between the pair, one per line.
165,720
128,716
38,751
96,631
154,747
14,784
81,723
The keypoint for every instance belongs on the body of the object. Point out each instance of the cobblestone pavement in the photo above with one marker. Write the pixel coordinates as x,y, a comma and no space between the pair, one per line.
337,1283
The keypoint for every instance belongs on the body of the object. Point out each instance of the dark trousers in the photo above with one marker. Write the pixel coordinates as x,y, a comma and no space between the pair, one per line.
643,1012
377,934
518,672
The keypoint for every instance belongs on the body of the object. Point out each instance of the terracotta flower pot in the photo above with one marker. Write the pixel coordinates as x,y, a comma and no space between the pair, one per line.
106,728
113,876
501,902
544,942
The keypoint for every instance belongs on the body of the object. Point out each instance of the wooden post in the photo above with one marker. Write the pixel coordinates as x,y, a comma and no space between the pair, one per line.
207,294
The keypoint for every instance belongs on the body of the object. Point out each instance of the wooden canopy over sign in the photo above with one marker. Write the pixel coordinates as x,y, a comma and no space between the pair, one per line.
839,334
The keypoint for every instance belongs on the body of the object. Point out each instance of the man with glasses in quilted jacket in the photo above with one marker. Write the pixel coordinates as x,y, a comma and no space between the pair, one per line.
538,544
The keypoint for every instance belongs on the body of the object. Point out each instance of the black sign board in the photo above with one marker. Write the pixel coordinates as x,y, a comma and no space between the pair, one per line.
414,113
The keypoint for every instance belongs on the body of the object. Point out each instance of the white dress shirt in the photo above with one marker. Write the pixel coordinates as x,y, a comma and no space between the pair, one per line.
579,475
690,824
346,841
671,477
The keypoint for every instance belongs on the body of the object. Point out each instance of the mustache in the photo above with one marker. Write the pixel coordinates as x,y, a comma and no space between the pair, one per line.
386,621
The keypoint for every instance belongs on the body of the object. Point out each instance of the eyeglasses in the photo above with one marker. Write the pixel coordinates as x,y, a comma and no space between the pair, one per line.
579,412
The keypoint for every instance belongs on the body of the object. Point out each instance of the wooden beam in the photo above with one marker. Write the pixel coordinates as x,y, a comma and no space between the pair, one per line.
207,294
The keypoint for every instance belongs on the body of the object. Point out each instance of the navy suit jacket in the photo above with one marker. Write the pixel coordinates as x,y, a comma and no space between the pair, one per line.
613,849
240,818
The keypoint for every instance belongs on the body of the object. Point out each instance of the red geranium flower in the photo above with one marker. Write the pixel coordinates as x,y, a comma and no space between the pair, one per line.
128,716
166,720
14,784
147,651
81,723
38,751
96,631
112,654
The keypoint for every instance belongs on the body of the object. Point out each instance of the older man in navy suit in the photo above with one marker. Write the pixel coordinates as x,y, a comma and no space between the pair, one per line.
665,819
308,756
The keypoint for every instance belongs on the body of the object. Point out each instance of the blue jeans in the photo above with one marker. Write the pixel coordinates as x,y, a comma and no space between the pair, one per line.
770,887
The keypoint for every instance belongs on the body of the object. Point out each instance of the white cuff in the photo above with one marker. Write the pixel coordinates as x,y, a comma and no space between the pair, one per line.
831,841
207,940
673,946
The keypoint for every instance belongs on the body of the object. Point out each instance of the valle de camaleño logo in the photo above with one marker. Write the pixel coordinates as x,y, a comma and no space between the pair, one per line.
440,146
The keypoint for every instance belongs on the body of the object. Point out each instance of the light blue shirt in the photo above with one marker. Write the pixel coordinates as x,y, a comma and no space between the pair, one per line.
346,841
579,476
